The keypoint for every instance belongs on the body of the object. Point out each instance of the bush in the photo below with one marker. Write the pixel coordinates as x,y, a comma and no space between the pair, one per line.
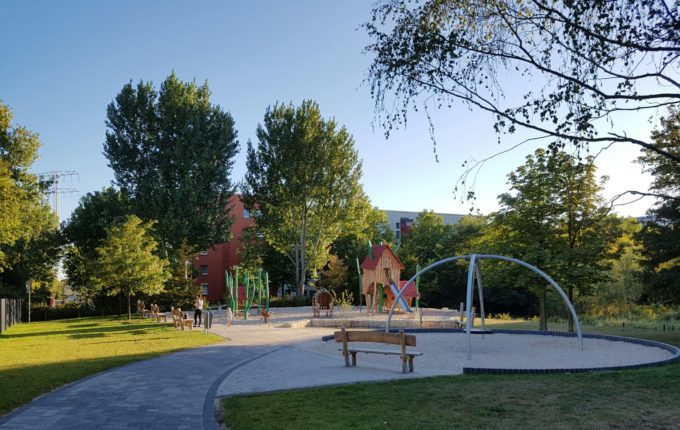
43,312
289,301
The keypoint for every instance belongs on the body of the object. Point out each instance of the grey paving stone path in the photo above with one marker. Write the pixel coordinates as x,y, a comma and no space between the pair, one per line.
175,391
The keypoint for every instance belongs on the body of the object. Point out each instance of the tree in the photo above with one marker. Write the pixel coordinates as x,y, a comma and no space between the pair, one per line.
351,248
127,262
84,232
29,237
555,219
334,275
431,240
172,153
578,63
425,239
661,236
302,184
624,286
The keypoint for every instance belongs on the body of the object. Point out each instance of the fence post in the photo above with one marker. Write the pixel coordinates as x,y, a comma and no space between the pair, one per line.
2,315
10,313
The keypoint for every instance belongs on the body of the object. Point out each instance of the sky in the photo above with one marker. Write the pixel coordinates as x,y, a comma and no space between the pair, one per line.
62,63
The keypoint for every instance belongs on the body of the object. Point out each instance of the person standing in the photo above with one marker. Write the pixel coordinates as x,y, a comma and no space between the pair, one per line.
230,316
198,310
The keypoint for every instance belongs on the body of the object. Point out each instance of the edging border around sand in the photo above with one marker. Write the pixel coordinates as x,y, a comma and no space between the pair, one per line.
478,370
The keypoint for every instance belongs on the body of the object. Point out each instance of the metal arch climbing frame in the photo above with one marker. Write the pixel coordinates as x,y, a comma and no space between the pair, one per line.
426,269
474,267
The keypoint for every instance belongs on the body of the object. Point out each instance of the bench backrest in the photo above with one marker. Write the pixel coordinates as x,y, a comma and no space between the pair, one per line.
376,337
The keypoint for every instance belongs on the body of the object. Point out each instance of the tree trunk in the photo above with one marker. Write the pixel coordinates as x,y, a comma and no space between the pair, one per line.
543,318
129,309
303,256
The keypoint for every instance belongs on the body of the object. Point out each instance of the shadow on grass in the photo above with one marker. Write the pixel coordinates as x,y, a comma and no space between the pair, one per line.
123,327
87,335
159,338
83,325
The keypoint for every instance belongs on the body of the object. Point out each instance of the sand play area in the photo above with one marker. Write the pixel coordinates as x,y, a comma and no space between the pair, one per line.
293,354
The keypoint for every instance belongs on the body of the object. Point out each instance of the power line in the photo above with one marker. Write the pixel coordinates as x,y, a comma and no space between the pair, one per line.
56,189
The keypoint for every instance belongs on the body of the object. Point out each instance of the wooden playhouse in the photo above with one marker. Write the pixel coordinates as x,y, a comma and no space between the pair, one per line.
379,267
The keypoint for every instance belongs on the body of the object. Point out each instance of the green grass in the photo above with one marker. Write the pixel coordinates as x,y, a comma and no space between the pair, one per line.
39,357
633,399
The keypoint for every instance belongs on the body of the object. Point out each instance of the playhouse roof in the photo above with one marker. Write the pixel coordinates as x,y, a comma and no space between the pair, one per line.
378,251
410,291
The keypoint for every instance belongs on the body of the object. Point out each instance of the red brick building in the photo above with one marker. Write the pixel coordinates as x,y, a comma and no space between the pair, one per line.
211,264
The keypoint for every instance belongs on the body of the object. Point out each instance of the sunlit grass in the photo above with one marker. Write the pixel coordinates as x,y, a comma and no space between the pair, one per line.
39,357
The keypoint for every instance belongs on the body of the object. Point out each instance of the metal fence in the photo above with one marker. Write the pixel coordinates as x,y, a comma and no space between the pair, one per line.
10,313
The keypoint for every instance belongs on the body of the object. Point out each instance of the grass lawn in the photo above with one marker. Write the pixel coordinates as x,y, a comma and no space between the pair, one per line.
39,357
636,399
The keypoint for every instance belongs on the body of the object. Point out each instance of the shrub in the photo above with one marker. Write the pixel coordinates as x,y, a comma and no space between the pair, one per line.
289,301
43,312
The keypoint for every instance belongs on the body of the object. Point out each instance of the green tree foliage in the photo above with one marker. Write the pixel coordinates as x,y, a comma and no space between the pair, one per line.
431,240
661,237
84,232
573,63
555,219
29,236
371,224
302,184
127,261
172,153
334,275
624,284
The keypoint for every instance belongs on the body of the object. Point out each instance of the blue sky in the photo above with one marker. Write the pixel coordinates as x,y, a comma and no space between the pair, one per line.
61,64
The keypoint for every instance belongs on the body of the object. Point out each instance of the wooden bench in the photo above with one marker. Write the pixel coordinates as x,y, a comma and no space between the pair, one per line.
179,321
400,338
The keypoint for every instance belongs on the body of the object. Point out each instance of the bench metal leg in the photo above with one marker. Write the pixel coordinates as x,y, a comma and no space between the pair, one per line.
410,364
354,359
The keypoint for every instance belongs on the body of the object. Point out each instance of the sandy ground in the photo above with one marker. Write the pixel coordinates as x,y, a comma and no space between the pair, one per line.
299,358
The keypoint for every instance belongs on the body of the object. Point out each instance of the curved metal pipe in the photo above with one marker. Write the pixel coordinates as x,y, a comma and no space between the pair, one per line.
471,268
550,281
413,278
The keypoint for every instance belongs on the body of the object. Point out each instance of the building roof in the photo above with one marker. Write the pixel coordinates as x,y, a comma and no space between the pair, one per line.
378,251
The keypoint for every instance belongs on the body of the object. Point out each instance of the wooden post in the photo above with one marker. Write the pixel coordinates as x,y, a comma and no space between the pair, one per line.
403,350
345,352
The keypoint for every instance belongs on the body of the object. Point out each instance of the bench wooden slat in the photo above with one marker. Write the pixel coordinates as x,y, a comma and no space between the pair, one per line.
382,351
376,337
400,339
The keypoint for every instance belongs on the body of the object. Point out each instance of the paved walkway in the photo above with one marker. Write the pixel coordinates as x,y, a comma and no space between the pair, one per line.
173,391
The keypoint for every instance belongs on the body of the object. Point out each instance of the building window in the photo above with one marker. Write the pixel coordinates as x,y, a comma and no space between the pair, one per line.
398,225
204,270
203,253
246,213
397,234
204,288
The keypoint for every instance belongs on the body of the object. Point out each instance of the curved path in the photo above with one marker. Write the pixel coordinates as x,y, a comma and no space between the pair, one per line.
172,391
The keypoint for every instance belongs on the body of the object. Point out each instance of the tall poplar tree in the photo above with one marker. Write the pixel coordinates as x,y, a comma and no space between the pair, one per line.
172,153
302,184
